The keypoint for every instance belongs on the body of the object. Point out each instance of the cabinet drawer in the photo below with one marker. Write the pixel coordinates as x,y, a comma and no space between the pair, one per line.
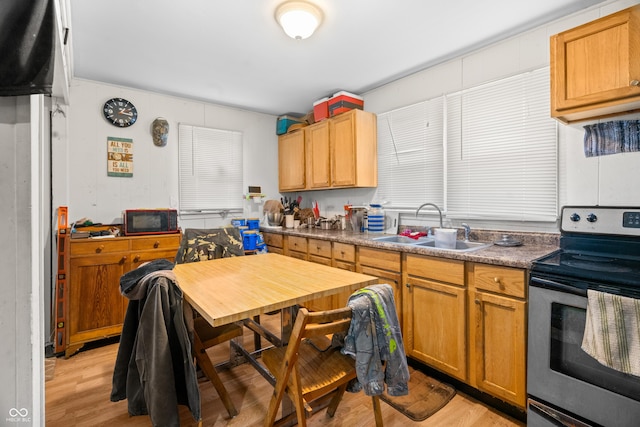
299,255
386,260
98,246
321,248
320,260
298,244
502,280
443,270
344,252
155,242
138,258
274,240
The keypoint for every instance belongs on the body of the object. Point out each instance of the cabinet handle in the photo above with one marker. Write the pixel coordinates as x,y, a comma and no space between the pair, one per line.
124,258
100,248
136,258
156,245
477,301
497,280
634,83
408,285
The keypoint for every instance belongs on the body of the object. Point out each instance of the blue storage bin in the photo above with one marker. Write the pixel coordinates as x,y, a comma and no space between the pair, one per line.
284,122
253,223
250,240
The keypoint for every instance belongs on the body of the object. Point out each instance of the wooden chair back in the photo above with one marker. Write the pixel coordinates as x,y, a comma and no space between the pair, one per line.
309,369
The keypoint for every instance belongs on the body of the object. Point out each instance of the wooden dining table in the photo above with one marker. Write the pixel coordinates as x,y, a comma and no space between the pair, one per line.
232,289
240,289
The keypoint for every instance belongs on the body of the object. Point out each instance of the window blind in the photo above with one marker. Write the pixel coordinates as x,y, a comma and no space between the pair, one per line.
502,151
410,155
210,169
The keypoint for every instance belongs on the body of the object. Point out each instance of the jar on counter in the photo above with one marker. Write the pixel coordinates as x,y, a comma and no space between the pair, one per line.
375,219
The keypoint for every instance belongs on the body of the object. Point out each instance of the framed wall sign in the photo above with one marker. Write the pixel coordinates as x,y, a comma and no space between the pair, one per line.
119,157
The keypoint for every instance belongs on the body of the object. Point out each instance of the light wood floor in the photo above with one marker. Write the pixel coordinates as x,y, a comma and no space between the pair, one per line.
78,395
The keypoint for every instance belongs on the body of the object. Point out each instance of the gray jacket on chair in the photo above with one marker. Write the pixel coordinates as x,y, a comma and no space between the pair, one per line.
375,336
154,367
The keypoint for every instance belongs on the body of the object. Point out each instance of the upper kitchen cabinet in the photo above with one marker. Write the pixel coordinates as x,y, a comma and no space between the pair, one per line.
595,70
340,152
354,149
291,161
318,155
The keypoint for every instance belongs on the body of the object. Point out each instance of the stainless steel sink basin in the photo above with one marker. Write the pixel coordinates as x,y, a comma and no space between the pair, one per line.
461,246
402,240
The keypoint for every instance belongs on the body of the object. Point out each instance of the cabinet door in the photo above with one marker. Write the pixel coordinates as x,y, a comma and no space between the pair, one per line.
435,325
343,151
499,352
393,278
317,152
291,161
595,63
96,307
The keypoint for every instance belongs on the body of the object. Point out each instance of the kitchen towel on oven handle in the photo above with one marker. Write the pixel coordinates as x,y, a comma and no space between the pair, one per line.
612,331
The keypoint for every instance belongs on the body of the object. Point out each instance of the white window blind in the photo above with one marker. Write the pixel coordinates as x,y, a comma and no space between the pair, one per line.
210,168
410,155
502,151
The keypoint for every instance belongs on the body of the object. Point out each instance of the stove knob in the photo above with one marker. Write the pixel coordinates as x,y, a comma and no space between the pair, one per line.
574,217
592,217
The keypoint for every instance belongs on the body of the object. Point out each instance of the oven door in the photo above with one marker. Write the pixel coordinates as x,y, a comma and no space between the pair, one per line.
560,373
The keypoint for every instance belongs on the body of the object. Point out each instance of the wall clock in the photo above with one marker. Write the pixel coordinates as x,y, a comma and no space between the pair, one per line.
120,112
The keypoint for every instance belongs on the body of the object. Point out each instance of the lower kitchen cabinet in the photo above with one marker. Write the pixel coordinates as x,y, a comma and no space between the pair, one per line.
435,313
497,331
320,253
95,307
274,242
386,266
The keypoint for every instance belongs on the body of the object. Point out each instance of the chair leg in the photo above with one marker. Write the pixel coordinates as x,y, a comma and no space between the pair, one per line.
377,410
335,400
210,371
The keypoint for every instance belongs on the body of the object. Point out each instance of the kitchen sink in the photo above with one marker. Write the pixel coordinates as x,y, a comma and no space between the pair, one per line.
403,240
461,245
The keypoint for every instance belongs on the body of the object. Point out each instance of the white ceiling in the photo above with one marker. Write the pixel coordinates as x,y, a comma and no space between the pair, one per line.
232,52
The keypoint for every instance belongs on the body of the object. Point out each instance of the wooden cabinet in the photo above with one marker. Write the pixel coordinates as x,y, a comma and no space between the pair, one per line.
318,155
96,308
291,161
320,252
340,152
497,331
435,313
387,267
353,142
296,247
274,242
595,70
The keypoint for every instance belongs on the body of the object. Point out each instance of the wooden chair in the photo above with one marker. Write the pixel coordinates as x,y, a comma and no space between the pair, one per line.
208,244
312,373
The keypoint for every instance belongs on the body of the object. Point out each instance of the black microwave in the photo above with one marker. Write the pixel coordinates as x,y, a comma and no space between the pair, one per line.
150,221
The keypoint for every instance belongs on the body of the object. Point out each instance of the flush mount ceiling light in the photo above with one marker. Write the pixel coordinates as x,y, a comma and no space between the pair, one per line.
298,19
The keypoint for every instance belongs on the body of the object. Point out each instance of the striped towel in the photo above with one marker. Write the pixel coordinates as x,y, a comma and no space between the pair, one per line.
612,331
612,137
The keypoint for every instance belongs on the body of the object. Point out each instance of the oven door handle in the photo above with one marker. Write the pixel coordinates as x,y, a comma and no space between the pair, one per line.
554,417
556,286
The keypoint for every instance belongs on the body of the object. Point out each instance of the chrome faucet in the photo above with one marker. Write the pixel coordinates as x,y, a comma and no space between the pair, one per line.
467,230
430,204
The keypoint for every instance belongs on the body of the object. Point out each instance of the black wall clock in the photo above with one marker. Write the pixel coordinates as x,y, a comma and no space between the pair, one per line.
120,112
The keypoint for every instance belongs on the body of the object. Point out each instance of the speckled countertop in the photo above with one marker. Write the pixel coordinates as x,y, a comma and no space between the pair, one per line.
534,245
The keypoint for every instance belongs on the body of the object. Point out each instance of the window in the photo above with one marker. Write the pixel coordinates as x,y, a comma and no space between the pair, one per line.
410,155
210,169
488,152
502,151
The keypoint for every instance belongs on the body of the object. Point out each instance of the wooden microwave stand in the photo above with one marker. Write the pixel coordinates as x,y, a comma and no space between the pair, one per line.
95,308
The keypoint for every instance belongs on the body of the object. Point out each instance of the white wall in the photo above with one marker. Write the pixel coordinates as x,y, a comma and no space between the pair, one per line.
80,153
23,259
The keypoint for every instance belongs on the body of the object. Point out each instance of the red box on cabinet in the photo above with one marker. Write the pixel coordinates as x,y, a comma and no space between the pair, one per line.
343,101
321,109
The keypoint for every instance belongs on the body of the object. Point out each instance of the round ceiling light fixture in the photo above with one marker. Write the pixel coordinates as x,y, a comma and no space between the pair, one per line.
298,19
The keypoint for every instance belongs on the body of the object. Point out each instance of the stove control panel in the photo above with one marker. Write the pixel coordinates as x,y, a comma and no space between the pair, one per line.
601,220
631,219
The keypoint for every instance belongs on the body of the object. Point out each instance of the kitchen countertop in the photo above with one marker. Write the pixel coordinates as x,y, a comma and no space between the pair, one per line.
535,245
